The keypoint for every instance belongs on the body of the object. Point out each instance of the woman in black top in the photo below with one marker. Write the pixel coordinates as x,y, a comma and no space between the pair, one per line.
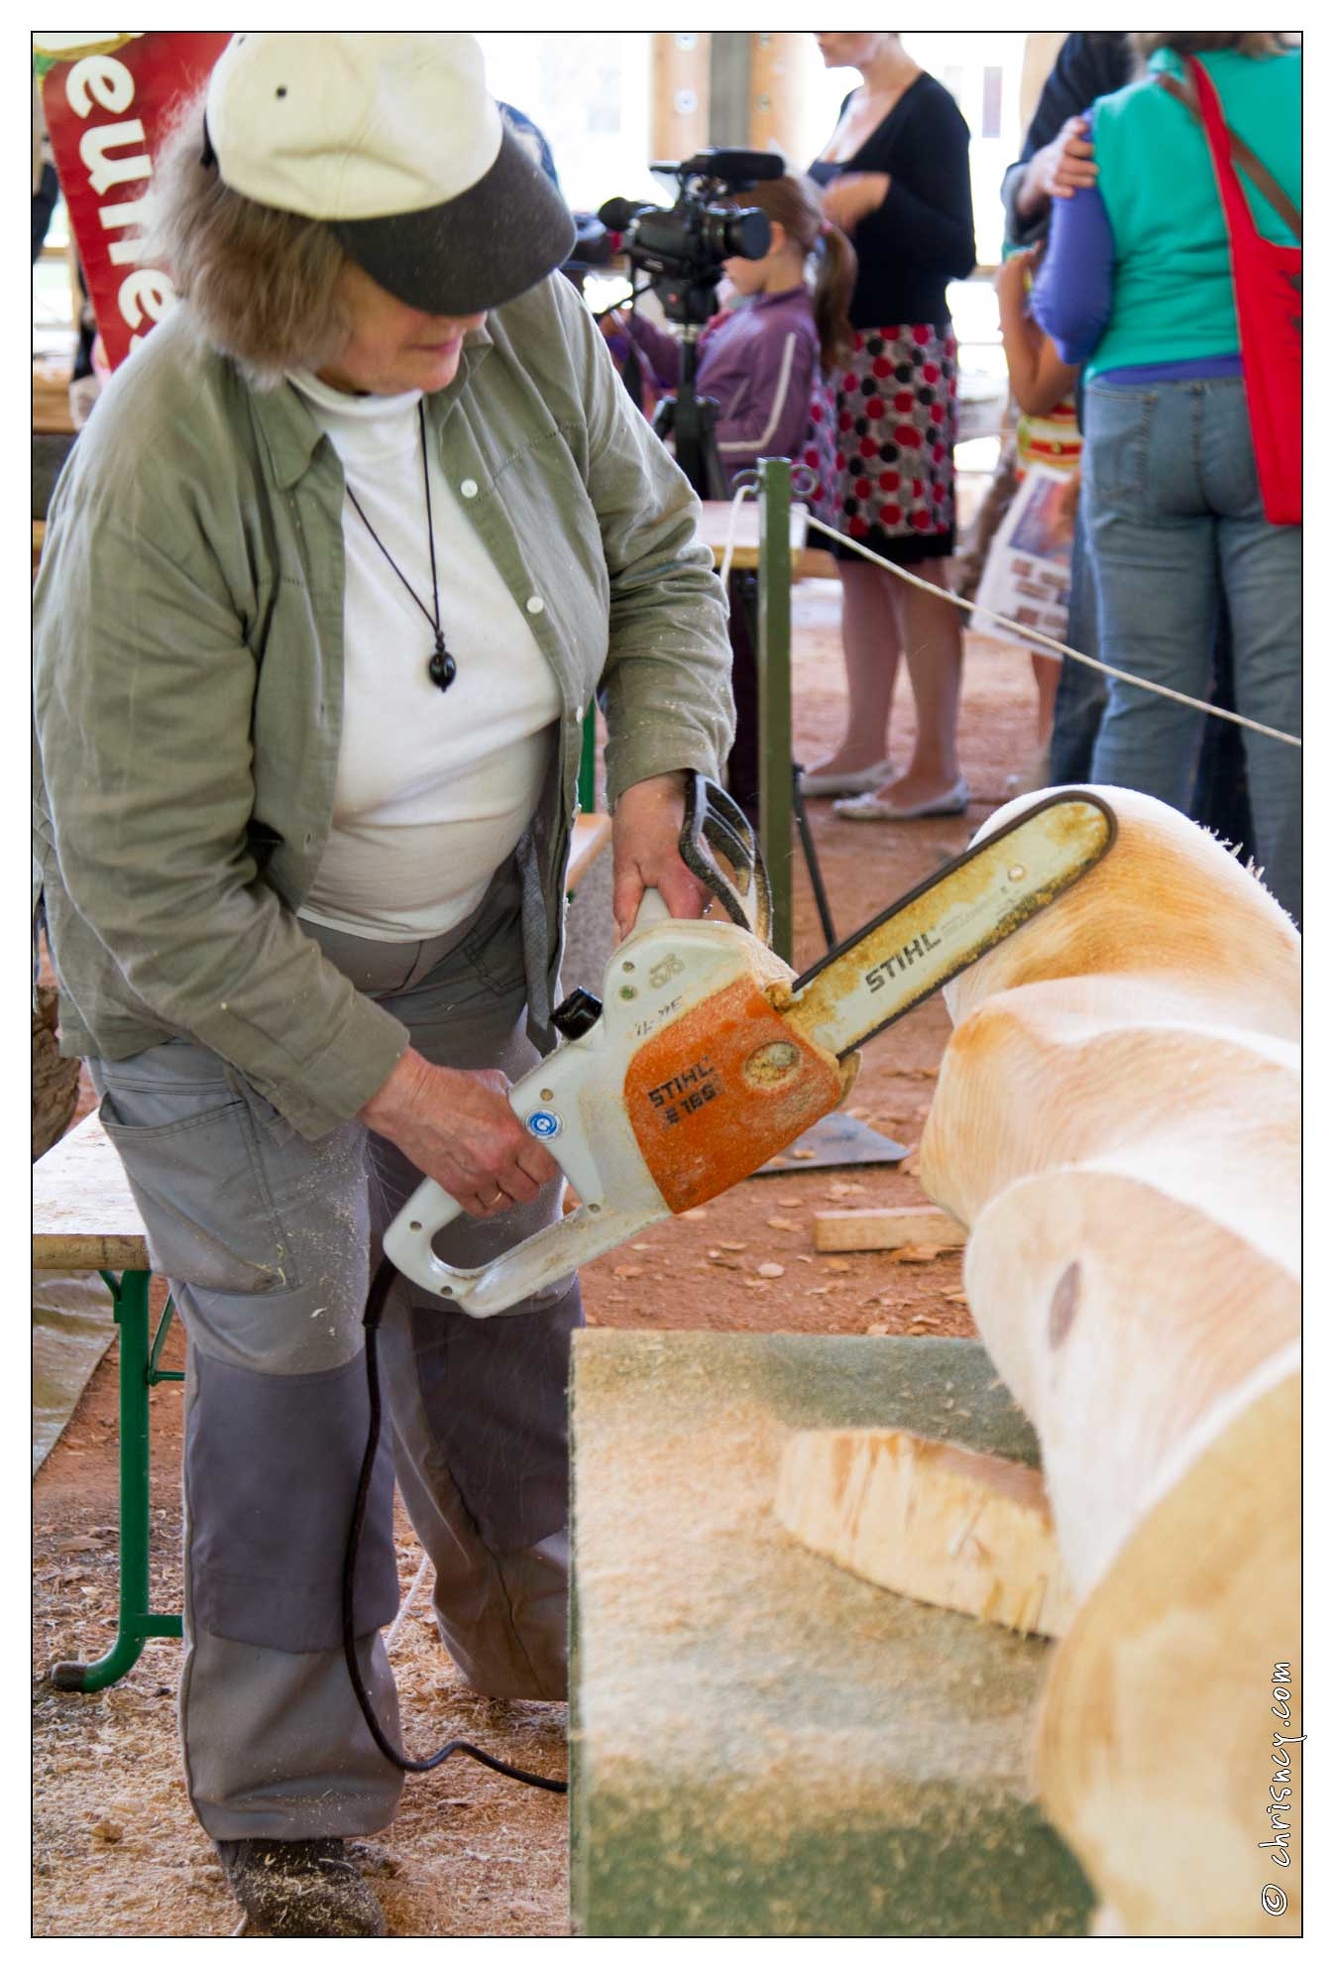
895,178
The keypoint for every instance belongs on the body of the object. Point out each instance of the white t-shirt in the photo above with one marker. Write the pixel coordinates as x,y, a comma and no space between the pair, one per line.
434,788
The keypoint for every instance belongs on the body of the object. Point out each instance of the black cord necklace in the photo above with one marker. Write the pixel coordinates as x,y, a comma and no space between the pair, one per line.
442,668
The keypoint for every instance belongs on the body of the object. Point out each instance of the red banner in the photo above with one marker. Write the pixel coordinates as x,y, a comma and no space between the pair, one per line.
108,113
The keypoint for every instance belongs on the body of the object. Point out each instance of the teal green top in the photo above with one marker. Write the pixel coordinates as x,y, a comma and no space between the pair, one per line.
1172,291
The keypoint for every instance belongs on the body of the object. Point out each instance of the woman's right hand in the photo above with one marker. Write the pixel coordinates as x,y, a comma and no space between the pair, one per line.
460,1130
1059,169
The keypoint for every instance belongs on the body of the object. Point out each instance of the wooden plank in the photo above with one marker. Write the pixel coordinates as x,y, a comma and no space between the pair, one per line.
589,837
953,1527
38,541
886,1230
84,1216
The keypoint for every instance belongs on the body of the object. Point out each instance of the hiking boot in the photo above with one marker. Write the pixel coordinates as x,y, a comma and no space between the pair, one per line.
299,1887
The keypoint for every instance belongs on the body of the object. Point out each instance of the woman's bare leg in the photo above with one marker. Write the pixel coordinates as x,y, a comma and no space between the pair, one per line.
1047,675
933,645
871,648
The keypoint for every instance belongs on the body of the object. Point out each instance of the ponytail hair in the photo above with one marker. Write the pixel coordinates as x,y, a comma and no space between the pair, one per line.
834,282
794,203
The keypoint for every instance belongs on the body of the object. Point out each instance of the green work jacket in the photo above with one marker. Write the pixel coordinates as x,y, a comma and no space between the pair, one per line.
189,679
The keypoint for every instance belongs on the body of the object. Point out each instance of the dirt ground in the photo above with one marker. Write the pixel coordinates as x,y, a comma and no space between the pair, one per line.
116,1848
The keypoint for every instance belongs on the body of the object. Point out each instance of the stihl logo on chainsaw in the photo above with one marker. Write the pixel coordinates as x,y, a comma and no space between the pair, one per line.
686,1092
901,960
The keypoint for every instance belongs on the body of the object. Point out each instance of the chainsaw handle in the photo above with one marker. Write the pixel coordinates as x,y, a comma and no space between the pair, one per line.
409,1239
652,909
507,1282
714,824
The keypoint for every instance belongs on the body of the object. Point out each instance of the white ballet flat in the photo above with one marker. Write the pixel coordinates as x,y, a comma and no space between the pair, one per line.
820,786
867,807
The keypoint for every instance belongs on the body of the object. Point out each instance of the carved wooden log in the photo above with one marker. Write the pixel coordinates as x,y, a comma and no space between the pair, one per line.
1116,1120
55,1081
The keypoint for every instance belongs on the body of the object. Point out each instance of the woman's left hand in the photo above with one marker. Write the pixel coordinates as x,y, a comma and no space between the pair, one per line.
848,199
646,851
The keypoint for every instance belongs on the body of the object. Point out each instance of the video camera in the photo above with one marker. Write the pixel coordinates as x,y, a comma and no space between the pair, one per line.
683,249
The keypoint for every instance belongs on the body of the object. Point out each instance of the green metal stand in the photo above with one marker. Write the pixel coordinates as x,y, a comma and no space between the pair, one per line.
139,1371
775,668
588,759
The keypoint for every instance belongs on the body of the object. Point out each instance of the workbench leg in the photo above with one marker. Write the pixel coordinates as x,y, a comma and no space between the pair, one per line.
130,1294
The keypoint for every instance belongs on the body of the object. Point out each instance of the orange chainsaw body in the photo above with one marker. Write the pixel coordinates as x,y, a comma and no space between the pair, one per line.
725,1086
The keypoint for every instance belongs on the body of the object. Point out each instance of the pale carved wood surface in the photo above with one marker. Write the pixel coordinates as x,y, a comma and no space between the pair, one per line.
1117,1121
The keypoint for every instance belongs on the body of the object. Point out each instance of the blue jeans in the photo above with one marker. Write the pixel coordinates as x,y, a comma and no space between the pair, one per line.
1081,695
1174,522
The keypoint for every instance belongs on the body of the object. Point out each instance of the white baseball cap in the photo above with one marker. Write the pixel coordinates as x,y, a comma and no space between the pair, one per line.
393,141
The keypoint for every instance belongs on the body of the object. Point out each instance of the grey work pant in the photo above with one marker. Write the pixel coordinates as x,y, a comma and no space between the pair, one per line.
267,1241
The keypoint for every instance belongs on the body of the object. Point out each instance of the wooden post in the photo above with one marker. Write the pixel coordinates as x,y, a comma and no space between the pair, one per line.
1040,52
775,95
680,115
1117,1121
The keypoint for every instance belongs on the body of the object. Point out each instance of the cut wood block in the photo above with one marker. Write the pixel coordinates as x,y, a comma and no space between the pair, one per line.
885,1230
951,1526
761,1744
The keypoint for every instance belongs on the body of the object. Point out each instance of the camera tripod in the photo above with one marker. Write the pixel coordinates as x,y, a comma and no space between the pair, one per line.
691,420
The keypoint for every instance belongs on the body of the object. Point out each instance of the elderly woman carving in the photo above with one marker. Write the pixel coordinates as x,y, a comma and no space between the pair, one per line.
330,583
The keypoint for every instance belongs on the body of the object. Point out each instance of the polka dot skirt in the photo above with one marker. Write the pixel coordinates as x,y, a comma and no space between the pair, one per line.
894,415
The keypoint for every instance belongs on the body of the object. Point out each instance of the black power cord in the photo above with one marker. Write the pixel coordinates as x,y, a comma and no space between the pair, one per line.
375,1304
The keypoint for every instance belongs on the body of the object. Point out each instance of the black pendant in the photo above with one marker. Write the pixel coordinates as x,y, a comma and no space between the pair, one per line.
443,667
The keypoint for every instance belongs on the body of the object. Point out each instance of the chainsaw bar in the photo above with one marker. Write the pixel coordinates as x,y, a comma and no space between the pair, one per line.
947,922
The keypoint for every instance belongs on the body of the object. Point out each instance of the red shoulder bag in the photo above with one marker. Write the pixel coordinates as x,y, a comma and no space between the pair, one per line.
1267,284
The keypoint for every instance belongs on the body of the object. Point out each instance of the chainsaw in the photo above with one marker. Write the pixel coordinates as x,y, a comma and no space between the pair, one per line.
707,1055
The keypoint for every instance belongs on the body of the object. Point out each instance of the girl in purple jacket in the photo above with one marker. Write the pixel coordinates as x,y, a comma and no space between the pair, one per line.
763,357
764,360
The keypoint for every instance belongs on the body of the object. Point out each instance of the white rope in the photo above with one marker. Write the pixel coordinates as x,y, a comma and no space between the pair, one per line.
1024,634
408,1598
743,492
1061,649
